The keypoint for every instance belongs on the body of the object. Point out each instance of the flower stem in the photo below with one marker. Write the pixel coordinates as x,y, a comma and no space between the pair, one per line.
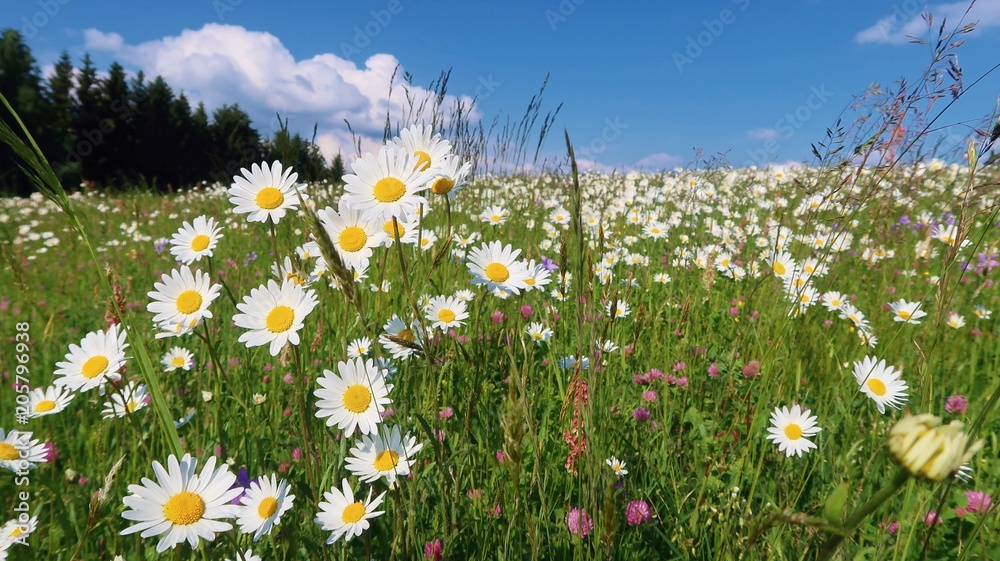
901,477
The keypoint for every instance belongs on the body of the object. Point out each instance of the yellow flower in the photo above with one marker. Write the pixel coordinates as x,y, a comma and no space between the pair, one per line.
928,450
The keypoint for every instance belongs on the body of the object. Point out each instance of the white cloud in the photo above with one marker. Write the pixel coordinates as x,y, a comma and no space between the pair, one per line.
763,134
585,164
225,64
906,20
94,39
660,161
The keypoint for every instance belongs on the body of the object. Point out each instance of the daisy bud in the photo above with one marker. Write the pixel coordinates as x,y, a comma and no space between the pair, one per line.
928,450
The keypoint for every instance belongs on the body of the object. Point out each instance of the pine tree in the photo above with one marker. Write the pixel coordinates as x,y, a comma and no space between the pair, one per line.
235,143
21,85
59,95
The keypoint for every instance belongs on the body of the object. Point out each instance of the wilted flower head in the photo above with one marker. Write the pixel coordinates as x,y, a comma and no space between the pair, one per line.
928,450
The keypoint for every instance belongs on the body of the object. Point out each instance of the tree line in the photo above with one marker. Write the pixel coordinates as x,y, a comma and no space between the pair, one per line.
116,131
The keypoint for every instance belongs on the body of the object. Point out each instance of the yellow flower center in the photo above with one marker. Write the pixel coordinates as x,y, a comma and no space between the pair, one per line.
352,239
446,316
876,386
388,229
423,160
267,507
353,512
296,278
793,431
16,532
357,398
178,362
495,218
497,272
269,198
389,190
386,460
905,314
94,366
131,406
537,336
184,508
442,186
189,302
201,241
530,281
406,335
8,452
45,406
779,268
280,319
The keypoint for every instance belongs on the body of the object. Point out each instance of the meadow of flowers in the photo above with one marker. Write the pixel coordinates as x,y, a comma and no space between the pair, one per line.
714,364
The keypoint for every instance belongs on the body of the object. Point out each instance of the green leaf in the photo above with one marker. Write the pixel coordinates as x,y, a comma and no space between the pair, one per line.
833,510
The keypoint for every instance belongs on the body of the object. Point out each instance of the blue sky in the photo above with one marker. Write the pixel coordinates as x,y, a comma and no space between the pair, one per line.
641,82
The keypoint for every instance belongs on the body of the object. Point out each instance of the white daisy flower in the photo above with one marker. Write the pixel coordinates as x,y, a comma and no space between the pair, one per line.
908,312
538,333
273,315
833,301
182,505
15,532
452,174
132,397
264,192
616,466
497,266
182,298
386,454
96,360
386,185
48,401
494,215
790,430
955,321
355,398
446,312
881,383
397,333
572,363
195,240
345,517
538,277
781,263
408,231
617,309
353,237
263,505
465,295
18,450
286,271
177,357
359,347
247,555
428,147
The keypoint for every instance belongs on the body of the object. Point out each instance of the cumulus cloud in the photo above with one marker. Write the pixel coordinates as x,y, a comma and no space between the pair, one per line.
905,20
763,134
660,161
225,64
